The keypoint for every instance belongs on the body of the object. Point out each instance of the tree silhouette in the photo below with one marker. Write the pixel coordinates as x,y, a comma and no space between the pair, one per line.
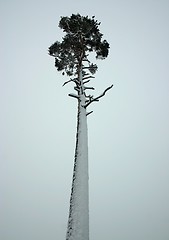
82,36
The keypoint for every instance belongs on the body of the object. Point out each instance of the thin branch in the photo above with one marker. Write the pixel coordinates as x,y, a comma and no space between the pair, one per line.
86,67
86,81
91,88
88,113
66,82
97,98
77,88
88,77
86,60
71,80
87,96
73,95
86,74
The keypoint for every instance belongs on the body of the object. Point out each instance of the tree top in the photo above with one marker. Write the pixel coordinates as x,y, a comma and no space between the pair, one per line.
82,36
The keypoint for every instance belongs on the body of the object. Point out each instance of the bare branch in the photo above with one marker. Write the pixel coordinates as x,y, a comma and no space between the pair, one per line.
66,82
90,97
86,60
71,80
86,74
77,88
97,98
91,88
86,81
88,77
86,67
73,95
88,113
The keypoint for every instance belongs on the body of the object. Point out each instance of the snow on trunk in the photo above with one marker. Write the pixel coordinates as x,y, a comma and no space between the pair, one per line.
78,222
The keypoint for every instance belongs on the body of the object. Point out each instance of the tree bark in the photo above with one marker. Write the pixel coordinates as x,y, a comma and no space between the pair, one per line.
78,221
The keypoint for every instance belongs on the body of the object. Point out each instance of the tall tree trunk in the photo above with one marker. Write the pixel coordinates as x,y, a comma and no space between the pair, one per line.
78,222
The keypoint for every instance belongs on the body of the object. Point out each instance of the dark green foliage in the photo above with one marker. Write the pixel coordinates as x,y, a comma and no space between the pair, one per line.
92,68
82,36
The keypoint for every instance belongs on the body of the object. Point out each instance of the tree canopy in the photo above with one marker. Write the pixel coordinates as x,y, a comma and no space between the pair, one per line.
82,37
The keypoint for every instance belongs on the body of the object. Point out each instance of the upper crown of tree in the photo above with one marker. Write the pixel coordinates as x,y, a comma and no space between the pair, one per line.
82,36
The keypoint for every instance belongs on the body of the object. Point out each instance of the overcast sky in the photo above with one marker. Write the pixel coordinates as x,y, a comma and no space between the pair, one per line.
128,131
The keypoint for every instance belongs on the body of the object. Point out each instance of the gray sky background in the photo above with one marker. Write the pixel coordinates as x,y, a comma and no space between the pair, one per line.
128,131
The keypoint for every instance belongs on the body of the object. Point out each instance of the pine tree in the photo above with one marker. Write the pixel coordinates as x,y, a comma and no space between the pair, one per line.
82,36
